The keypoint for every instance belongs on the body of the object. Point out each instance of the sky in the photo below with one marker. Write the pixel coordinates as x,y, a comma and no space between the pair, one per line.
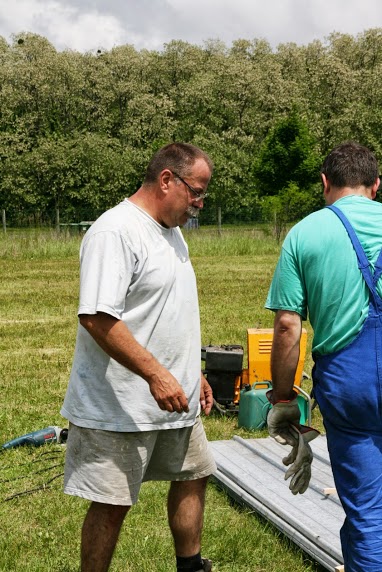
88,25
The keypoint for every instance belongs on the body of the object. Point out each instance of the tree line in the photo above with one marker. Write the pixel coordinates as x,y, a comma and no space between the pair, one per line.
77,130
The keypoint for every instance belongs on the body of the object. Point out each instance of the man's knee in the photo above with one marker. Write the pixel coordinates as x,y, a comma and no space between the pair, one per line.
111,514
193,487
194,483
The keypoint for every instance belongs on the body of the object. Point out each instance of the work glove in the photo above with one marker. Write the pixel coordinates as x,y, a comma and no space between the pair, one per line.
281,417
300,459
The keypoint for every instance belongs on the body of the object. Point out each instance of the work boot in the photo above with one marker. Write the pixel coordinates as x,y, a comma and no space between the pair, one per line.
207,565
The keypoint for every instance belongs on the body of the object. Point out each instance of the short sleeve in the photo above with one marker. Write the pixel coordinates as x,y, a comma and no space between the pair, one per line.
287,291
107,266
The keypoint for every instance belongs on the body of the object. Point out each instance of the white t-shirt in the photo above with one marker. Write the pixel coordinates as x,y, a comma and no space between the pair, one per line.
139,272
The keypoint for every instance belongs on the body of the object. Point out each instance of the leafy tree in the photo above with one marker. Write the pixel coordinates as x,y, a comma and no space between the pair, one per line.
290,205
77,130
287,156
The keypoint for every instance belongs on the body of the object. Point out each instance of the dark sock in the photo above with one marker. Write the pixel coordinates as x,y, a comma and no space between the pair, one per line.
189,564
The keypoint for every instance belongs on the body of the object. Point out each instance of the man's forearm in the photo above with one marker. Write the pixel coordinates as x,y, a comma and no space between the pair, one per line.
285,353
117,341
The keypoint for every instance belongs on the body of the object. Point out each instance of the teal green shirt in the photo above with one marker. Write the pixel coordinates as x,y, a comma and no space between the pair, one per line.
317,272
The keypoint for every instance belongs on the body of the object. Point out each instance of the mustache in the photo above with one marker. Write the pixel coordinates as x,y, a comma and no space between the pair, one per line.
193,211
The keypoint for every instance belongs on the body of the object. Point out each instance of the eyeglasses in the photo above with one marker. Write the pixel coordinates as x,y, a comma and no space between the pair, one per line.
198,196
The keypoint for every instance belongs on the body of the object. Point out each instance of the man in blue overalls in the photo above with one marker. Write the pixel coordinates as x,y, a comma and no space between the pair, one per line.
330,267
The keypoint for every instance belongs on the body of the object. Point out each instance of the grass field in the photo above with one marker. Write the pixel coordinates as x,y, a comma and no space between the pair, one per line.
38,300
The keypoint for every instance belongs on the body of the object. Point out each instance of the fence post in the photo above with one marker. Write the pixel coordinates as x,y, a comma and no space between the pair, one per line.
58,220
4,221
219,221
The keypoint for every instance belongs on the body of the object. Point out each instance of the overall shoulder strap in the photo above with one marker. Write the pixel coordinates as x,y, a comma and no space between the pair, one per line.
378,268
363,262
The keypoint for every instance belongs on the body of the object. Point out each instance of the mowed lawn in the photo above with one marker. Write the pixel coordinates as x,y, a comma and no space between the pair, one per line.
40,528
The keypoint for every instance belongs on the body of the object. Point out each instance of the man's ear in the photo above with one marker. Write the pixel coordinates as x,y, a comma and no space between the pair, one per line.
375,188
325,184
164,180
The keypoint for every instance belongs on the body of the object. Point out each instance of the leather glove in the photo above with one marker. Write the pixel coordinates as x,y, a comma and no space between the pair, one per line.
280,419
300,459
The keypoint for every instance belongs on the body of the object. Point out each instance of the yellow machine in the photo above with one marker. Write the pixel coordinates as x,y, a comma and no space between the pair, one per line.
224,365
259,345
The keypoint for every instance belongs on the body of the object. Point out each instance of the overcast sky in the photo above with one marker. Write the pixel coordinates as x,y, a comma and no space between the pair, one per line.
85,25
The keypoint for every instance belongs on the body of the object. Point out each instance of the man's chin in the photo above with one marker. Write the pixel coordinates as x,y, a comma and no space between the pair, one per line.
192,213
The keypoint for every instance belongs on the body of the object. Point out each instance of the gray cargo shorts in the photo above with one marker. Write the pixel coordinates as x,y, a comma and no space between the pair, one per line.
109,467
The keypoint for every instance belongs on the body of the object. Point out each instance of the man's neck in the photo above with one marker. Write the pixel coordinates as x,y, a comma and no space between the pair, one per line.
337,193
145,200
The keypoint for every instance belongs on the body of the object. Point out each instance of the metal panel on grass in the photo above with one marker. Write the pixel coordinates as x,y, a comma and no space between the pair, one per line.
252,472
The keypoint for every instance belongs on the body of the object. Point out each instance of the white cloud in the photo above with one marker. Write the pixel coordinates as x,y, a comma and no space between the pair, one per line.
278,21
90,24
68,27
64,25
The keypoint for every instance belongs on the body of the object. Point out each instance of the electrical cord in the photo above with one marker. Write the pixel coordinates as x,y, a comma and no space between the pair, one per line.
28,463
43,457
56,453
44,486
35,473
219,408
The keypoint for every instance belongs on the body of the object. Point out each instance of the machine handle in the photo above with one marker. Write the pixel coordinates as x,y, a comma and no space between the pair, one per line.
267,383
309,400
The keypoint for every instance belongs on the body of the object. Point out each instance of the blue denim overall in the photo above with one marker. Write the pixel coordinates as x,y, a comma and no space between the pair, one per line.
348,389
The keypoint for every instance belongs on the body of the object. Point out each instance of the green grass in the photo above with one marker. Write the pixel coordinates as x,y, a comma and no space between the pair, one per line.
35,244
38,299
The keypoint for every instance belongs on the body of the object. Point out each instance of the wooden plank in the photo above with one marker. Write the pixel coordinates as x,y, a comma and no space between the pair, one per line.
329,491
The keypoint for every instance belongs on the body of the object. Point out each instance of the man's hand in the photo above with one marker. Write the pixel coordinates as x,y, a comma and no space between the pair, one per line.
281,417
206,397
300,460
168,393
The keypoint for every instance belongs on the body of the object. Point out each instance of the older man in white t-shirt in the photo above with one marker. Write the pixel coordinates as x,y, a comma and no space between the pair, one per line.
136,391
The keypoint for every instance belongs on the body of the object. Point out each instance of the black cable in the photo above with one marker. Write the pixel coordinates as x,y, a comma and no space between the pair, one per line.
30,491
56,453
219,408
43,457
35,473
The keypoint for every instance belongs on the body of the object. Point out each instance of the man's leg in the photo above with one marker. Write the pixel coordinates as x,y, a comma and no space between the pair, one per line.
100,533
185,508
356,459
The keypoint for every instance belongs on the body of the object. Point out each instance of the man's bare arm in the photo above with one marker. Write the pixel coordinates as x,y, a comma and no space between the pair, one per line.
118,342
285,353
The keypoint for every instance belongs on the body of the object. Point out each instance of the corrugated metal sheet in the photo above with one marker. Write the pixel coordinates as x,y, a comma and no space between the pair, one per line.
252,472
